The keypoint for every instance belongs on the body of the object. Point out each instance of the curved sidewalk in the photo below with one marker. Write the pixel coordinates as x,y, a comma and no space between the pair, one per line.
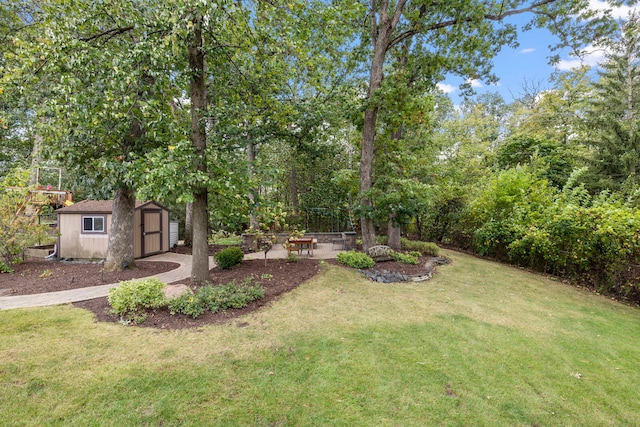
81,294
324,251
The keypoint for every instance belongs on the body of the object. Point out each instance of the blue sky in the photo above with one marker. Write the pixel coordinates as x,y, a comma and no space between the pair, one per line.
529,62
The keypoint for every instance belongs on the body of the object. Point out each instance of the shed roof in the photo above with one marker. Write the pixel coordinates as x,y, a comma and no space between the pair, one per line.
96,207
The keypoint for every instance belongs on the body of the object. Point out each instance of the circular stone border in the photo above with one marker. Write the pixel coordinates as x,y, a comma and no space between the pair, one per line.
385,276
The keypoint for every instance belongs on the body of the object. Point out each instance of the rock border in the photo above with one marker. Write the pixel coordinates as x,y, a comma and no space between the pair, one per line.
385,276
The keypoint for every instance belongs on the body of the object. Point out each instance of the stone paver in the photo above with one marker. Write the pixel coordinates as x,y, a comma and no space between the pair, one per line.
323,251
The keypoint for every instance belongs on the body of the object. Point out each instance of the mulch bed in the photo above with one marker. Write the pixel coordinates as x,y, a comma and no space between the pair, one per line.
39,276
286,277
48,276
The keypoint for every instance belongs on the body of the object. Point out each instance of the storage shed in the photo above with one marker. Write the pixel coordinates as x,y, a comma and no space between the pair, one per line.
84,229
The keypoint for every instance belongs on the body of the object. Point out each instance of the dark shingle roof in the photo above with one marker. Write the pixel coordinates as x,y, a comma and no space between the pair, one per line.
92,206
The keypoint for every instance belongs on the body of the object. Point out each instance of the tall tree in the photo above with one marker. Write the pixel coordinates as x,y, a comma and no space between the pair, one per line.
198,96
104,104
614,112
459,37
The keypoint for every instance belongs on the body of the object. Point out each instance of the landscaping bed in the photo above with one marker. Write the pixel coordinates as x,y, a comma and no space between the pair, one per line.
284,277
40,276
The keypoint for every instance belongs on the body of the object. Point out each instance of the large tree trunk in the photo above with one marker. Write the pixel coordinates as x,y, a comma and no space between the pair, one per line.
393,234
366,165
200,256
381,39
120,250
188,224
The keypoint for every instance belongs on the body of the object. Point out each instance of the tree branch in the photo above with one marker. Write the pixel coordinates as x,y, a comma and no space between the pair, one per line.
488,16
374,23
109,33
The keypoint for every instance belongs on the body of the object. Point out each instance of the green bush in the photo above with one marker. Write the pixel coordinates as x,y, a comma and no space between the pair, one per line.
187,304
355,259
426,248
4,268
229,257
597,245
132,298
405,258
216,298
223,297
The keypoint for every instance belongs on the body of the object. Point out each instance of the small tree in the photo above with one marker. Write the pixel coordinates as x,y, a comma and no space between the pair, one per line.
17,232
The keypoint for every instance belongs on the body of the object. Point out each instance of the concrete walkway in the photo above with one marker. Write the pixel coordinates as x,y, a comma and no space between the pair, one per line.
324,251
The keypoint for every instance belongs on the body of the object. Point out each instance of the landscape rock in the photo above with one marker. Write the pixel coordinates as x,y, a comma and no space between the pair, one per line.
380,253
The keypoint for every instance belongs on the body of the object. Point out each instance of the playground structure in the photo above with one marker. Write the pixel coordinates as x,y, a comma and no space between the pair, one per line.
37,199
39,204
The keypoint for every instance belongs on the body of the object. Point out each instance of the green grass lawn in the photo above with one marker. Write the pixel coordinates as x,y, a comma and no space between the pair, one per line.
481,344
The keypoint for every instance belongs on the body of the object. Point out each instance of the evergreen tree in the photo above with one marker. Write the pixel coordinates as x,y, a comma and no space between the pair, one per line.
614,113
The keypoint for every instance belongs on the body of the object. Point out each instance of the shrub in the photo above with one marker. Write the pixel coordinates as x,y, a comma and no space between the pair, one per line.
225,238
355,259
292,257
132,298
426,248
4,268
405,258
222,297
188,304
216,298
229,257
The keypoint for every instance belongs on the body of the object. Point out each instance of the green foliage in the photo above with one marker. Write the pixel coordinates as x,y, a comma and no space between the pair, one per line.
614,136
443,220
380,240
224,238
426,248
550,159
272,217
355,259
187,304
132,298
217,298
17,231
597,245
223,297
296,234
405,258
228,257
508,201
4,268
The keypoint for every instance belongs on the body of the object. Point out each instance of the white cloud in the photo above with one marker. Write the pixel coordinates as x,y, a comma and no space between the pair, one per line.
446,88
475,83
593,55
617,12
527,50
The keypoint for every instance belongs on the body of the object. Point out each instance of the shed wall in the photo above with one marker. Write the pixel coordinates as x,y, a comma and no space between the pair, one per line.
74,244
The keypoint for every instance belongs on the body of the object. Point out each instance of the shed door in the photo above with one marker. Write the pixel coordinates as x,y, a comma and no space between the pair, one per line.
151,231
